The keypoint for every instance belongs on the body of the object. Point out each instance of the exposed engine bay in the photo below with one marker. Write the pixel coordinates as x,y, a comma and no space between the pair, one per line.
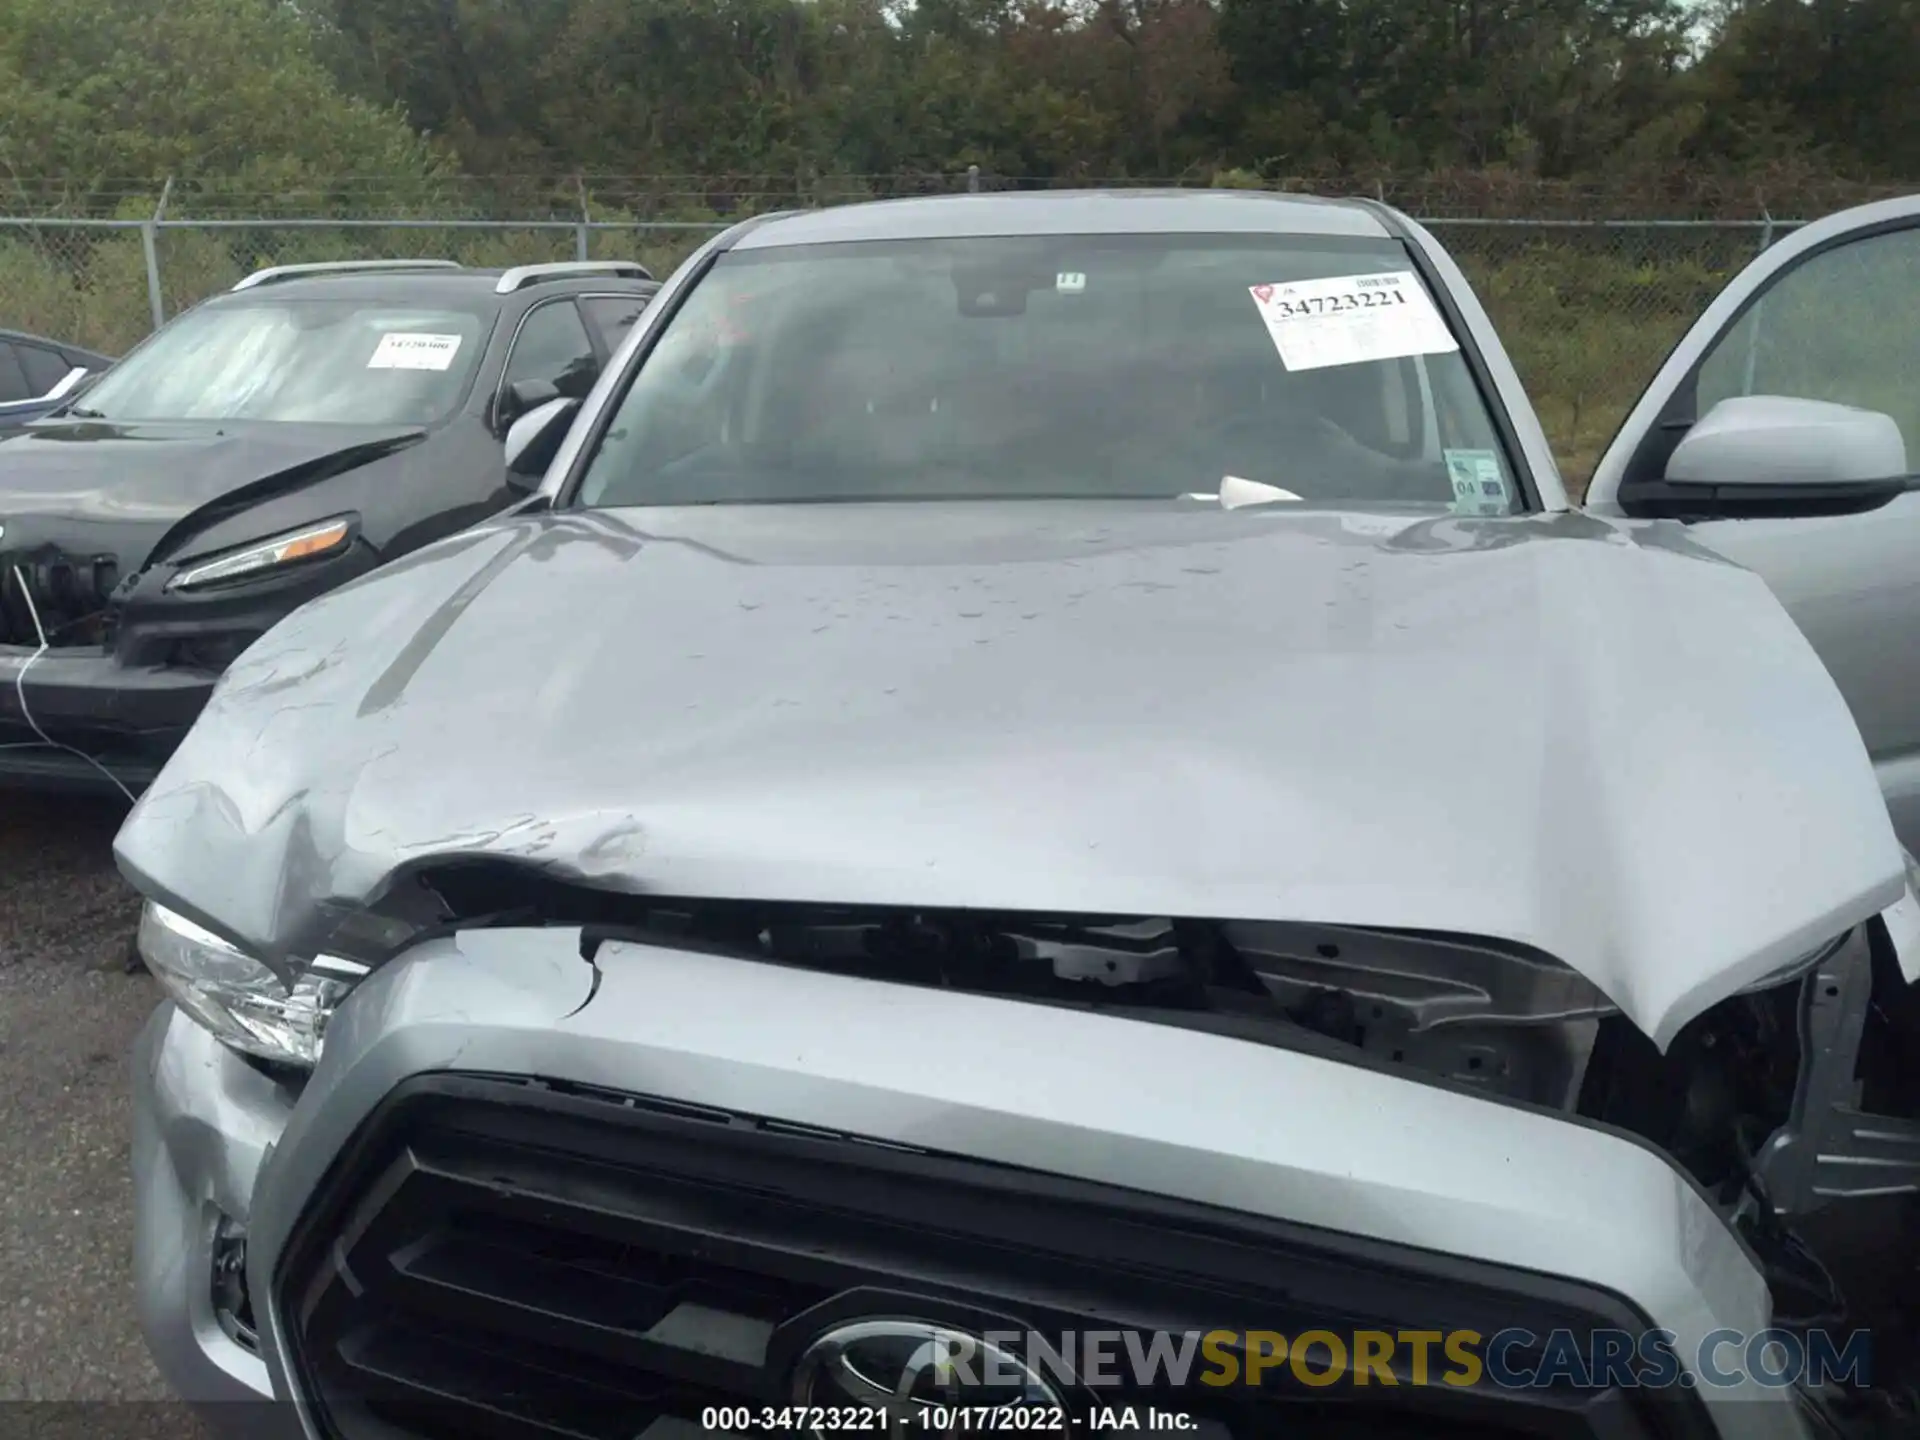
1793,1105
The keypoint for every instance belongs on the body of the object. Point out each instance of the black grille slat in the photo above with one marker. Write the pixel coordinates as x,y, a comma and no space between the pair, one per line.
668,1249
532,1300
436,1378
728,1231
782,1230
414,1269
586,1264
490,1275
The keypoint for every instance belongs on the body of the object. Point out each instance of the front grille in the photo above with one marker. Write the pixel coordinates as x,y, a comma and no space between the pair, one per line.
68,592
496,1256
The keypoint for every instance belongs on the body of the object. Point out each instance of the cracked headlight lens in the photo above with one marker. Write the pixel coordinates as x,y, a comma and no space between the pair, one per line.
240,1000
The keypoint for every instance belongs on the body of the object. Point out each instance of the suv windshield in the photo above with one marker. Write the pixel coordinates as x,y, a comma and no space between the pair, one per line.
1089,367
346,362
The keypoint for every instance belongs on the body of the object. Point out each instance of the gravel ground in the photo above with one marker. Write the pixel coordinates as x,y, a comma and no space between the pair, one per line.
68,1014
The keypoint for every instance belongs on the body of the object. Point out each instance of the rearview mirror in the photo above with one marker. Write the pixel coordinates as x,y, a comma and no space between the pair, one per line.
533,439
1759,455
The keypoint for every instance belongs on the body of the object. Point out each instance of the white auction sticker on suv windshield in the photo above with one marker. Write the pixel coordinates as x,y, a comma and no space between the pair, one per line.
399,350
1351,319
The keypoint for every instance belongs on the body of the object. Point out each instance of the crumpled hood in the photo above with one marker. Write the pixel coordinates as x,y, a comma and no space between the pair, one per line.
122,488
1587,738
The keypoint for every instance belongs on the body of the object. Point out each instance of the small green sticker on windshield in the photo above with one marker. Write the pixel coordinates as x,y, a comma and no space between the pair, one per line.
1478,486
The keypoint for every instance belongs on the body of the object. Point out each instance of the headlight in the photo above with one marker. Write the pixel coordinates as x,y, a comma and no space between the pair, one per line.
303,544
240,1000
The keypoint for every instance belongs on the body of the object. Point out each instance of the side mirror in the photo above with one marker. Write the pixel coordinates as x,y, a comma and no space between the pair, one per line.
1772,455
523,397
534,438
577,380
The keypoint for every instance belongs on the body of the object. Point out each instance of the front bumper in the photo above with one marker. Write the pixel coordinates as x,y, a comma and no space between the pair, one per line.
129,719
126,708
203,1120
1269,1135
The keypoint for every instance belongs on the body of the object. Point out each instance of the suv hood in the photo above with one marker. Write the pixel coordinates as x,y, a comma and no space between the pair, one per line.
1592,739
93,487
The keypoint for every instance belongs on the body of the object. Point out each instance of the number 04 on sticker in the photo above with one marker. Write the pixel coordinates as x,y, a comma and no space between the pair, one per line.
1351,319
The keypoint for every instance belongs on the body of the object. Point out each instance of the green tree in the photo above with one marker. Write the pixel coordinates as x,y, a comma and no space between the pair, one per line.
1818,79
1547,86
96,92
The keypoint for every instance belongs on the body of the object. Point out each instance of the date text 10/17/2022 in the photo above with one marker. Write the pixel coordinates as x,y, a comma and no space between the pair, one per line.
937,1420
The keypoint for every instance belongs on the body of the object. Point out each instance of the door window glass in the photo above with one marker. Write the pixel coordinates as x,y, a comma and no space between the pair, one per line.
613,316
552,345
1843,326
45,368
13,380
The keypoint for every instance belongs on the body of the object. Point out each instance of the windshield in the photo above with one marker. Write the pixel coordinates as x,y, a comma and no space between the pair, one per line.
345,362
1091,367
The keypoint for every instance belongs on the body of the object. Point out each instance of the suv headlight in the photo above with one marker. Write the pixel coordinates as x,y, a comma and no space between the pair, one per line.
307,543
240,1000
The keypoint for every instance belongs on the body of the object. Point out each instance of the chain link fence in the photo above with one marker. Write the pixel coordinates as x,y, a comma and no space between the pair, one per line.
104,284
1590,308
1587,307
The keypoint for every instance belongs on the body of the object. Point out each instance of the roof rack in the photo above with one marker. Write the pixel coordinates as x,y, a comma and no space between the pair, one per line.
521,276
339,267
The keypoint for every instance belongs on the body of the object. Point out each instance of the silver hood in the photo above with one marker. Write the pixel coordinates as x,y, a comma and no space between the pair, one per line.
1587,738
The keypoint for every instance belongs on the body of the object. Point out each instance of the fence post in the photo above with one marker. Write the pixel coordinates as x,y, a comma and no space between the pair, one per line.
1766,230
582,231
973,179
150,251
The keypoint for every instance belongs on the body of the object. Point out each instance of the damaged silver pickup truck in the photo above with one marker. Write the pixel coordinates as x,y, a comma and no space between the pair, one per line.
1062,766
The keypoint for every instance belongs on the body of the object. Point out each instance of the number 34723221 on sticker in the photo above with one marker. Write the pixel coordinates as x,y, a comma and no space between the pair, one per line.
1351,319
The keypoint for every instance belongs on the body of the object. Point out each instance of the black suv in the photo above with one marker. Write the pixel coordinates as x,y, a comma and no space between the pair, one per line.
262,448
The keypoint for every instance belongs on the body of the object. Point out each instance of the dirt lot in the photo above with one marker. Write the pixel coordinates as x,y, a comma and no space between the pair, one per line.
68,1013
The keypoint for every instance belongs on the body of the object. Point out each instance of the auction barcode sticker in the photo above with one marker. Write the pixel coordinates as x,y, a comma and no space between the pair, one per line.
1351,319
400,350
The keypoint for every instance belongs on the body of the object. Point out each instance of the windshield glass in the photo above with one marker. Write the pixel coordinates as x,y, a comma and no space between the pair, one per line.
346,362
1092,367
